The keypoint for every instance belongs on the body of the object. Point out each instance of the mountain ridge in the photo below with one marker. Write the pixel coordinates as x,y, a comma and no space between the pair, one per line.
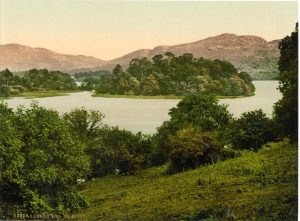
17,57
249,53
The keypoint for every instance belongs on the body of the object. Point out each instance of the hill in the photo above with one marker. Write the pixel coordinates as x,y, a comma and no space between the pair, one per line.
254,186
248,53
20,58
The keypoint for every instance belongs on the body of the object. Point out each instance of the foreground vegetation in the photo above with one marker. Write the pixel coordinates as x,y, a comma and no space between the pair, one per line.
254,186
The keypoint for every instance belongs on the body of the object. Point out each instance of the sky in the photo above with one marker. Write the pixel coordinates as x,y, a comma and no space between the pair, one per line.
109,29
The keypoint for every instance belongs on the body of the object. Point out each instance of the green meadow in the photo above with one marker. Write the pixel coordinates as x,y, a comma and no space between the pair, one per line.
255,186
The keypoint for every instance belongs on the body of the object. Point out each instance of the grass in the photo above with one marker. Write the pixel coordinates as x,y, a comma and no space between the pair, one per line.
233,97
42,94
4,98
254,186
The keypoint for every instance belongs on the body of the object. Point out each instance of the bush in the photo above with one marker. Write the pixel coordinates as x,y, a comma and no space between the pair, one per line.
251,130
110,160
200,111
119,149
192,148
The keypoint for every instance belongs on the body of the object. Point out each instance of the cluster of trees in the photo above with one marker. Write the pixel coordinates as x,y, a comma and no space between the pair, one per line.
90,80
170,75
80,76
34,80
39,162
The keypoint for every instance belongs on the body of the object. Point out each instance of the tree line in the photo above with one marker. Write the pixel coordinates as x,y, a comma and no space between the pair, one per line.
170,75
34,80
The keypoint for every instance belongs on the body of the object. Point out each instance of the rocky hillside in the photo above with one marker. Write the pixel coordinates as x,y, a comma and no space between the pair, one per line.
248,53
19,58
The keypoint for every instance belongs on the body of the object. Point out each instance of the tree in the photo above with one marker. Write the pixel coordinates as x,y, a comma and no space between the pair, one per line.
151,86
251,130
286,109
40,160
11,161
84,124
5,77
4,91
201,111
158,60
134,85
117,69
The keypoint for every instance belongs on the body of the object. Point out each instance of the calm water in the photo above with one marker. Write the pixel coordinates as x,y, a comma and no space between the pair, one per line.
146,115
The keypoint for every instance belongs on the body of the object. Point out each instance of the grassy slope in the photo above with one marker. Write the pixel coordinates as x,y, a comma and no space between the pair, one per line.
255,186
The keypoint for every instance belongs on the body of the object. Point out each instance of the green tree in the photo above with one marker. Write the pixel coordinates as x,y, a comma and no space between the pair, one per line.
151,86
134,85
4,91
40,160
286,109
6,77
198,111
201,111
251,130
11,162
85,124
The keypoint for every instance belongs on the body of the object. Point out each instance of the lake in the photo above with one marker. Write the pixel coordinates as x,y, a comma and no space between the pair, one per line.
147,114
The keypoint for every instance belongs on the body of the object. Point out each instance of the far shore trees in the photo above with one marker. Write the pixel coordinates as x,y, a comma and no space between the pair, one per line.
172,75
34,80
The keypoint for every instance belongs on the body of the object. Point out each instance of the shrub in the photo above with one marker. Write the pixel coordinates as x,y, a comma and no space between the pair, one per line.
251,130
119,149
192,148
200,111
108,160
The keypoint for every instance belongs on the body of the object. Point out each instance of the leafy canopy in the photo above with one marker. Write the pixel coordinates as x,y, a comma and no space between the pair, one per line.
286,109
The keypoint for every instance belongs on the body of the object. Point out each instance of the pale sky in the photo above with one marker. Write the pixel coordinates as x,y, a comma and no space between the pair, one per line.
109,29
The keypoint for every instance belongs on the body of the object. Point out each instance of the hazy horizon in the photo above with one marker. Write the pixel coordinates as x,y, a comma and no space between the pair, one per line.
110,29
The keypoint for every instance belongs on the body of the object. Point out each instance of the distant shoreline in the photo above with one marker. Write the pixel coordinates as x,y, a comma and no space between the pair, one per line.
137,96
41,94
159,96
